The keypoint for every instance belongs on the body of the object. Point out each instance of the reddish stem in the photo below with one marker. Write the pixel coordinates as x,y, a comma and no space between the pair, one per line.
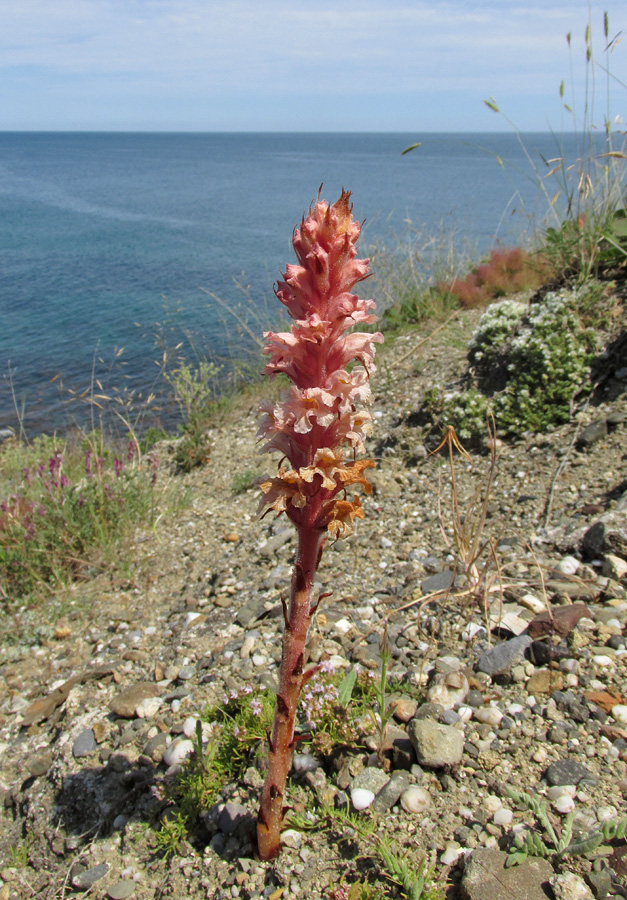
290,684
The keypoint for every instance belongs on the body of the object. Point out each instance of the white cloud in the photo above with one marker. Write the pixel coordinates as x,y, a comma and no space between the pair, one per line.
189,49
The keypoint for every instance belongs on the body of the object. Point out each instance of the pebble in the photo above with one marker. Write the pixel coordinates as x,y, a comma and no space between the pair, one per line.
125,704
451,854
148,708
361,798
503,817
563,804
84,744
568,565
568,771
436,745
488,715
619,713
121,889
503,656
178,751
415,799
87,878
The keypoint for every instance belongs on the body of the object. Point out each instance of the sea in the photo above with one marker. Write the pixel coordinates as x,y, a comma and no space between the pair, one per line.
122,254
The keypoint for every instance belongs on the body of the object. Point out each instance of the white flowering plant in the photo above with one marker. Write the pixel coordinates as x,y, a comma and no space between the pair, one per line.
529,364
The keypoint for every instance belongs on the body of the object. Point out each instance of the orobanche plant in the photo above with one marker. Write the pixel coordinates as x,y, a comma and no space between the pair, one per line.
318,427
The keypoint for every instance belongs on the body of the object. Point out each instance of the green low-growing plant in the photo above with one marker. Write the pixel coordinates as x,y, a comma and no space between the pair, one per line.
66,506
195,390
529,364
532,843
397,867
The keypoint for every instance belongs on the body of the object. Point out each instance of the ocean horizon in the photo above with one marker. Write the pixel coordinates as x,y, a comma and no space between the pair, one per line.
112,243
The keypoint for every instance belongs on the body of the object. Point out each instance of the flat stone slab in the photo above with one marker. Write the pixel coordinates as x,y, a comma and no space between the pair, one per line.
486,878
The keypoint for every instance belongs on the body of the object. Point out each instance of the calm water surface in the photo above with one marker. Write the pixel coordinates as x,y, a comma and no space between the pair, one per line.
106,239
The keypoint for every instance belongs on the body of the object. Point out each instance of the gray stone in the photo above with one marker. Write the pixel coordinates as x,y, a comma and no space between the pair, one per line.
390,793
370,779
442,581
233,817
121,890
486,878
84,744
608,535
156,746
568,771
275,543
250,612
436,745
592,433
503,656
186,673
84,880
125,704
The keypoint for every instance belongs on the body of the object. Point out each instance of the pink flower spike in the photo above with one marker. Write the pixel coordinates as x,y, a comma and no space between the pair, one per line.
318,426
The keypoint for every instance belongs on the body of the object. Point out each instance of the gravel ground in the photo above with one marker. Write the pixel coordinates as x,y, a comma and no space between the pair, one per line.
91,716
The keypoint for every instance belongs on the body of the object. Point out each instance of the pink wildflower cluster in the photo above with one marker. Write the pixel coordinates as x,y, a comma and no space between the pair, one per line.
320,423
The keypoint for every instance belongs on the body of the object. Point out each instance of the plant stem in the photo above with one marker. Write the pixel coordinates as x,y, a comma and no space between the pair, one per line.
291,679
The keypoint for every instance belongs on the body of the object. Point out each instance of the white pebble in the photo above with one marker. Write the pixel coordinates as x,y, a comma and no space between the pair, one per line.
305,762
177,752
619,713
472,630
489,715
189,618
492,803
415,799
450,855
503,816
564,804
148,707
175,706
568,565
533,603
465,712
540,755
343,626
604,813
259,659
561,790
603,660
361,798
291,838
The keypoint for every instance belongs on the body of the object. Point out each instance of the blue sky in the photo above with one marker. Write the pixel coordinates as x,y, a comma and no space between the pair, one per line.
293,65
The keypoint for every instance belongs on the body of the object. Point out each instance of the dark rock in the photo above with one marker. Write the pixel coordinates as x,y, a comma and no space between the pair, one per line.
234,817
84,880
442,581
608,535
558,621
568,771
389,794
600,882
542,652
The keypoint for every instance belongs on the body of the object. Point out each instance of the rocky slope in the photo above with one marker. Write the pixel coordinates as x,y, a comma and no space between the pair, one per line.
92,715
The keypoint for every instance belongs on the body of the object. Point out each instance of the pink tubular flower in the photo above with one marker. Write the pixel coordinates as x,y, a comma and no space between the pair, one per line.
318,427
